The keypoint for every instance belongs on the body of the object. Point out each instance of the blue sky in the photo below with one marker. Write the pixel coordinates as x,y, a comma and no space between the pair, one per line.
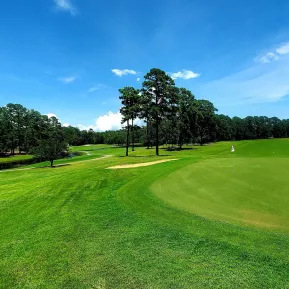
70,57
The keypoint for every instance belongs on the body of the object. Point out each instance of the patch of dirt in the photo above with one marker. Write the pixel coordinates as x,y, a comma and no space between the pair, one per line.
140,164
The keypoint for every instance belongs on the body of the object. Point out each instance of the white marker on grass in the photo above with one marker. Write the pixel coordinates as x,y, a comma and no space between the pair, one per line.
232,151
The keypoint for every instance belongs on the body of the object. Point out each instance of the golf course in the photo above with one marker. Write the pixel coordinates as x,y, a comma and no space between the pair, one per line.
201,217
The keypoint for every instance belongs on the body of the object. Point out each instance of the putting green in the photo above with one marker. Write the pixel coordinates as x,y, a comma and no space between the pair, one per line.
251,191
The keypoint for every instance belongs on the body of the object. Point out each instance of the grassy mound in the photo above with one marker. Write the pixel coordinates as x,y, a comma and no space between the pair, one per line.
250,191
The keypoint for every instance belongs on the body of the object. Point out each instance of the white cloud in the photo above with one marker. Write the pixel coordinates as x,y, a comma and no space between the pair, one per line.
50,115
121,72
92,89
283,49
66,6
95,88
84,127
67,80
109,121
185,74
257,84
138,79
268,57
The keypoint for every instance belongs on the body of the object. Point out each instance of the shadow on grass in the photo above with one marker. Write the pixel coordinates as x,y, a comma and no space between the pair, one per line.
90,150
150,156
55,166
177,149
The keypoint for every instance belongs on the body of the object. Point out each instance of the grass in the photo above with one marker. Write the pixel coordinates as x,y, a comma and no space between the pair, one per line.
16,158
172,225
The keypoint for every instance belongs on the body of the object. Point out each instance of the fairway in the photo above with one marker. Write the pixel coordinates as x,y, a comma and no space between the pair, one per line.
211,219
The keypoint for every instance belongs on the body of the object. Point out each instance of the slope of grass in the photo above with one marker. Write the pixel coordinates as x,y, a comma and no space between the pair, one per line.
243,190
16,158
83,226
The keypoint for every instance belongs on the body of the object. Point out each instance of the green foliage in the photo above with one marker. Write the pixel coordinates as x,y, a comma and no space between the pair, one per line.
130,101
172,116
161,97
53,144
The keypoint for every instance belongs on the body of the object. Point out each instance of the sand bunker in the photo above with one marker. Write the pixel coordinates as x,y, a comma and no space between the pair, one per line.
141,164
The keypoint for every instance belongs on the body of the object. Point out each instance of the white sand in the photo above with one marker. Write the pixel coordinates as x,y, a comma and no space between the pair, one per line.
141,164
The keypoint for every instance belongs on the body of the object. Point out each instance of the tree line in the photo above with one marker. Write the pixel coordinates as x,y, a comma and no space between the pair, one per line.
170,115
174,116
25,130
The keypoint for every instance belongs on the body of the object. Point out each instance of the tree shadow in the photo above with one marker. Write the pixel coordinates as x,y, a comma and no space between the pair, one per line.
177,149
55,166
150,156
90,150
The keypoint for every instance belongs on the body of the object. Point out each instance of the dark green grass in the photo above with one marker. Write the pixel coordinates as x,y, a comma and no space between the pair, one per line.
83,226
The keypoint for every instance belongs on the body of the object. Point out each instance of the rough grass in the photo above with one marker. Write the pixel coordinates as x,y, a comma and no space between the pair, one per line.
82,226
16,158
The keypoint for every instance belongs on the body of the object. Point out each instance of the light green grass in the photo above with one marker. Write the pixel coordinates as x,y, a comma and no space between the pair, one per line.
252,191
82,226
15,158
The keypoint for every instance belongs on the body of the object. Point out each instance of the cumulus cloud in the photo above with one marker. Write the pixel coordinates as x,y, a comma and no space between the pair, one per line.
109,121
184,74
50,115
66,6
138,79
86,127
67,80
121,72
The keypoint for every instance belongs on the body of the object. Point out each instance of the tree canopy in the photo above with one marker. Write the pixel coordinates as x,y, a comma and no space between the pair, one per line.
170,115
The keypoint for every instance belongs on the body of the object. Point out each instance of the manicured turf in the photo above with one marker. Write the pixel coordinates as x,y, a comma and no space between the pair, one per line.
16,158
192,223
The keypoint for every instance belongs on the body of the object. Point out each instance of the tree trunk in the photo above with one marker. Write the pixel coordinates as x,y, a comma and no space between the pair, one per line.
132,135
51,163
157,137
180,143
148,143
12,147
127,139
